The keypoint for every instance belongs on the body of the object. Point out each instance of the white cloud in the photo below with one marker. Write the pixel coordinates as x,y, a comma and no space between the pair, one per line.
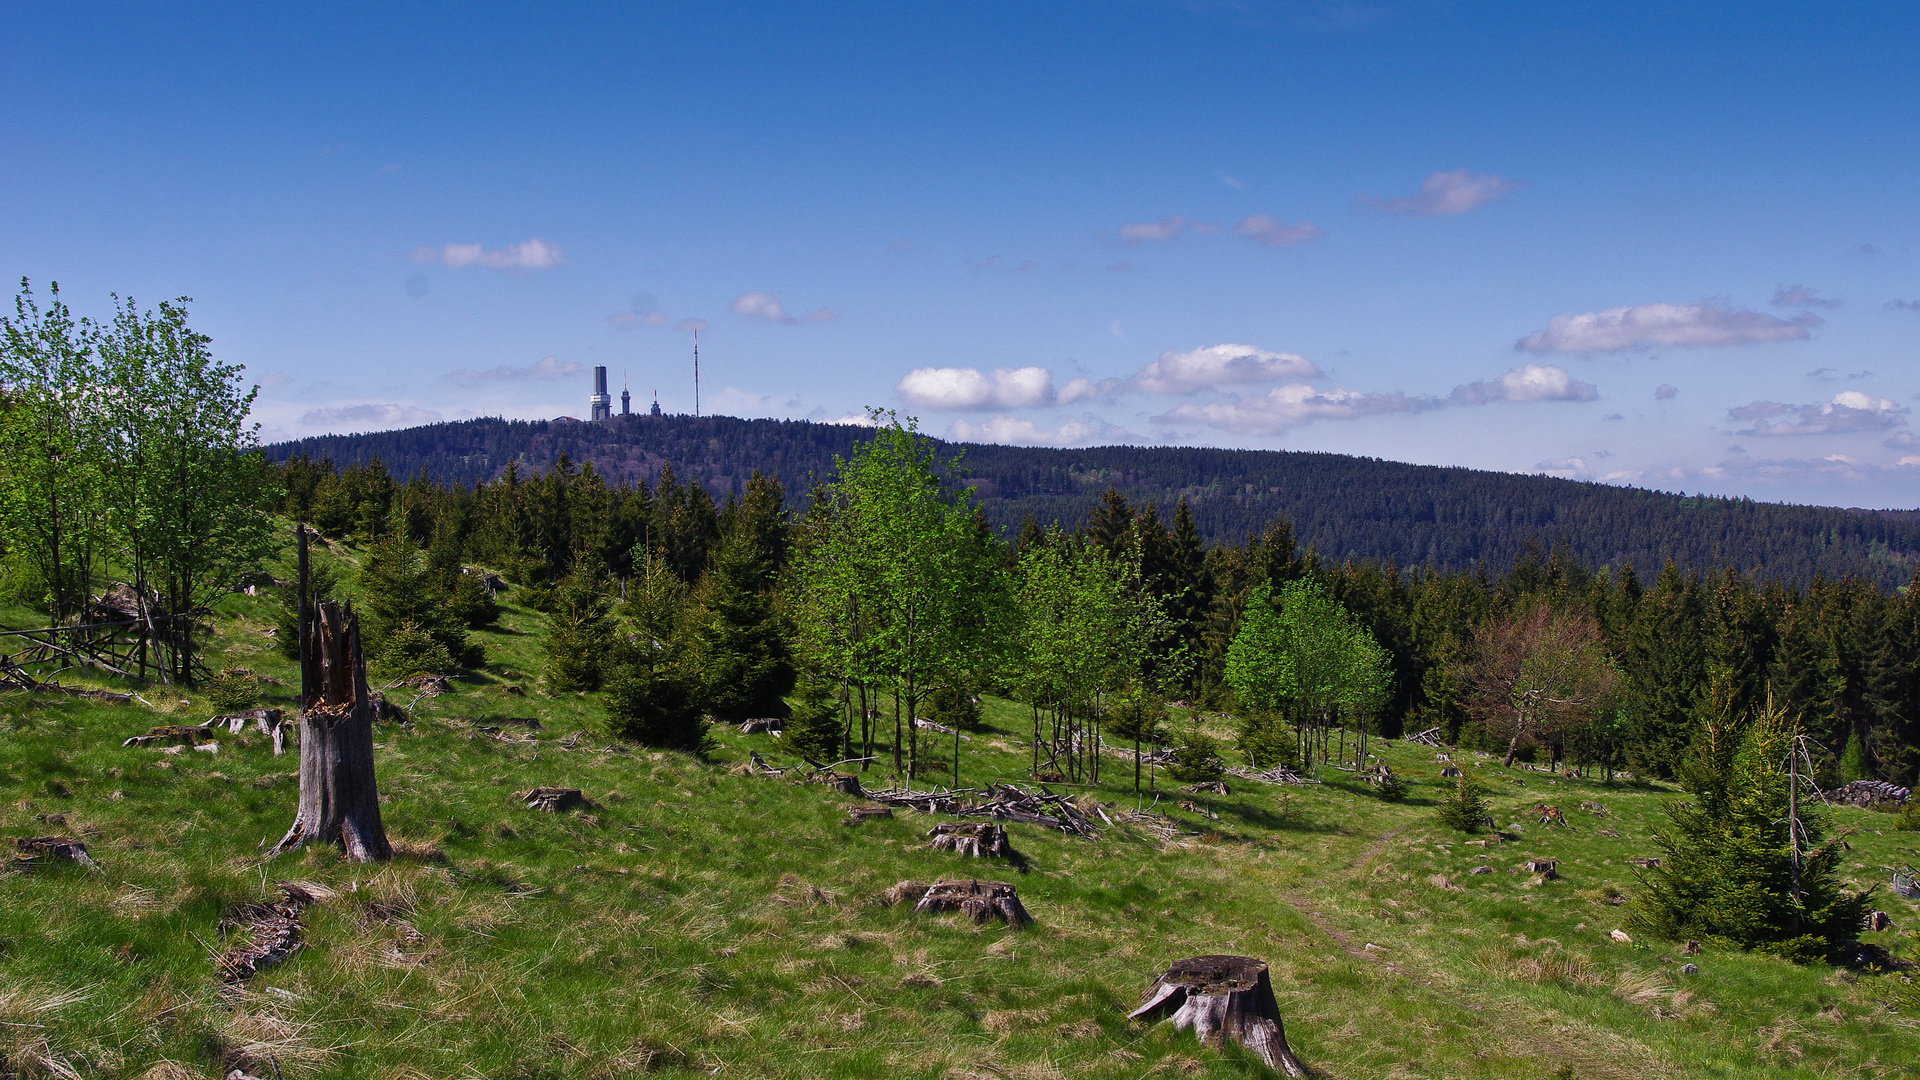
1799,296
1446,193
968,388
692,326
853,420
377,416
1290,406
1528,382
1007,429
534,254
1566,468
547,367
1902,440
1276,233
766,307
1849,411
1217,366
1141,232
1640,326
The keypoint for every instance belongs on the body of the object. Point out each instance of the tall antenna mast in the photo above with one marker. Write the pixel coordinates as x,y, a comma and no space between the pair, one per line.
696,373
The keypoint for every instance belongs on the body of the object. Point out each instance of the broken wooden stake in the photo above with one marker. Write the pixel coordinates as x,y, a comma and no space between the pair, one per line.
1223,997
973,839
977,900
552,799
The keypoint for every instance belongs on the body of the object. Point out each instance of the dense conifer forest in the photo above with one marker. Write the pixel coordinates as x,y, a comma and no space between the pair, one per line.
1343,507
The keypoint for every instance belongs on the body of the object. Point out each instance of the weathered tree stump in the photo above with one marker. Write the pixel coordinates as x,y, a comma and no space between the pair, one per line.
974,839
1878,921
977,900
1223,997
1547,868
552,799
1450,772
338,800
28,850
858,814
845,783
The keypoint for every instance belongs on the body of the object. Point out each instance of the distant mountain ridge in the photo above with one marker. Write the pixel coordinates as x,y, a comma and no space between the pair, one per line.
1344,507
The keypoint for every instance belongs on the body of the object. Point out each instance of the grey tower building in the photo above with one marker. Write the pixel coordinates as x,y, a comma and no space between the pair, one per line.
626,401
601,401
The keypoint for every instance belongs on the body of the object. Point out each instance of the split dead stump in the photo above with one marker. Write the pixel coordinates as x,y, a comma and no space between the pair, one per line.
1223,997
553,800
338,800
28,850
974,839
977,900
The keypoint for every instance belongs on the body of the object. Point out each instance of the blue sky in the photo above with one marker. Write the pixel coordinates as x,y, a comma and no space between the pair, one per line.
1670,245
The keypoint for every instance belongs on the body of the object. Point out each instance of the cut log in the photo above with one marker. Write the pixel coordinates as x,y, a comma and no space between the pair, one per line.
171,735
552,799
1643,862
339,802
974,839
858,814
977,900
1223,997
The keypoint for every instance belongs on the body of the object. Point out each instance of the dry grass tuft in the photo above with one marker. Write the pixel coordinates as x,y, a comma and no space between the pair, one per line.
169,1070
906,892
427,851
1641,989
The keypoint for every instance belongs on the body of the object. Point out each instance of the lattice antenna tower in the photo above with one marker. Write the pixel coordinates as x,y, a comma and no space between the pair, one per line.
696,373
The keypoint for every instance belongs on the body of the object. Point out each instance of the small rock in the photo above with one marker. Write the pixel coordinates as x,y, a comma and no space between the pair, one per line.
1690,969
1621,937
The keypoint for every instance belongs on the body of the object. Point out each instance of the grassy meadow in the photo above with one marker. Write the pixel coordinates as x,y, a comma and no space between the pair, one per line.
695,919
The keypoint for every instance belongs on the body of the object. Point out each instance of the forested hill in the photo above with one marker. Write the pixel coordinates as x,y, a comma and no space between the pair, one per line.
1343,507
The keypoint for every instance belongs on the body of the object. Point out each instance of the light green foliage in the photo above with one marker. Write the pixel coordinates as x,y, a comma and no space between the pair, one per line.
1853,762
1300,654
1728,869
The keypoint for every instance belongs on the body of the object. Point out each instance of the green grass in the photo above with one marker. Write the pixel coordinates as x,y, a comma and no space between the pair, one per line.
694,919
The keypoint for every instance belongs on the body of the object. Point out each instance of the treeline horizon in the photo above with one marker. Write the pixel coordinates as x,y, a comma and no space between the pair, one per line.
1345,507
1839,655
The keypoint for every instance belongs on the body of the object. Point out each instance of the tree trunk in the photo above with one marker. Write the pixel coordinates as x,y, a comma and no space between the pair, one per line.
338,800
1223,997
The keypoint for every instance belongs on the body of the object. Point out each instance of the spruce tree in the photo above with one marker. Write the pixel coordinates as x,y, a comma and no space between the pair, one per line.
578,631
1732,870
740,644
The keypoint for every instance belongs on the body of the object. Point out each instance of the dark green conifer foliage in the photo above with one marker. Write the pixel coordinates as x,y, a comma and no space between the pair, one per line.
578,630
953,704
740,646
1110,524
1665,665
1196,759
651,701
397,589
471,602
817,730
1727,870
1466,809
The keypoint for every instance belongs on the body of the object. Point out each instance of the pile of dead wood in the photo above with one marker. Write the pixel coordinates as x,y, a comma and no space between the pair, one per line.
1868,793
1001,802
1429,737
1279,774
272,931
553,800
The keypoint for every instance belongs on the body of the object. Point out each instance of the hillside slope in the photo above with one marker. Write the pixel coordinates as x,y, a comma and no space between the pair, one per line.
1344,507
696,920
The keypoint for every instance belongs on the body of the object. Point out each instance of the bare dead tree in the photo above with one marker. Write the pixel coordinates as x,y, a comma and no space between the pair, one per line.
1538,671
338,800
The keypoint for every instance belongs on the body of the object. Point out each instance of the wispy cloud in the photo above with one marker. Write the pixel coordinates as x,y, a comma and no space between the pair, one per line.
1665,392
1018,432
1903,305
1291,406
1528,382
1445,193
1273,232
534,254
765,307
1800,296
628,320
1643,326
1143,232
547,367
968,388
1849,411
1216,367
373,416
